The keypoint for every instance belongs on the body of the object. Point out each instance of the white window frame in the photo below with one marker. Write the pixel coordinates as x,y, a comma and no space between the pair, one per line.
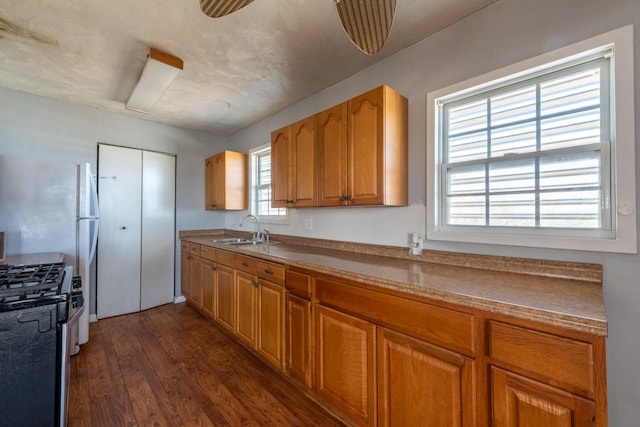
253,179
624,236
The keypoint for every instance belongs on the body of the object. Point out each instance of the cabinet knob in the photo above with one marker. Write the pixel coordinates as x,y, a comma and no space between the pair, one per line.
245,264
254,283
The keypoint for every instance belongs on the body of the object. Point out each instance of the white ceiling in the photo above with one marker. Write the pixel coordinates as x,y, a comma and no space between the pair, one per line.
238,69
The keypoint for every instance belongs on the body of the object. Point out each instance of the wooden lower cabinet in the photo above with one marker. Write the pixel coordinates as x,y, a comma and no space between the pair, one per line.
420,384
522,402
345,364
270,322
246,302
207,283
298,339
185,270
194,280
224,298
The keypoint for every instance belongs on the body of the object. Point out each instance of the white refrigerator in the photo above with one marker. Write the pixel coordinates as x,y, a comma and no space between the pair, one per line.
49,206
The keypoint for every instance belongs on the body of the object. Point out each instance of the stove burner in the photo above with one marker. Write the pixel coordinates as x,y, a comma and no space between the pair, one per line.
21,280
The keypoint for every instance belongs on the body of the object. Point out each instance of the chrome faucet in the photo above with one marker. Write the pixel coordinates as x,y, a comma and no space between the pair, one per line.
257,235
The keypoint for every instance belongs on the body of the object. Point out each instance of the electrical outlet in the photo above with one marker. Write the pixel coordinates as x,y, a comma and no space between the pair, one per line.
308,224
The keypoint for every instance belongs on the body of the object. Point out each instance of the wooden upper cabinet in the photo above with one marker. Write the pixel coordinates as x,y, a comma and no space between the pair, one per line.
281,167
226,181
363,151
293,165
377,148
332,156
304,138
352,154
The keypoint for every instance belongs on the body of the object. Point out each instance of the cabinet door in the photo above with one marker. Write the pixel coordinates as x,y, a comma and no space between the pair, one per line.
420,384
304,144
207,279
365,149
225,297
345,352
518,402
185,261
281,162
195,284
332,156
298,348
215,182
271,322
246,306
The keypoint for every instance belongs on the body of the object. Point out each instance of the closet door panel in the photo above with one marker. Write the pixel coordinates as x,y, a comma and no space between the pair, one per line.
158,229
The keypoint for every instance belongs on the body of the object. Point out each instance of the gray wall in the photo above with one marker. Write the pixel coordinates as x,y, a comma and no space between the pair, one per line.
32,126
502,34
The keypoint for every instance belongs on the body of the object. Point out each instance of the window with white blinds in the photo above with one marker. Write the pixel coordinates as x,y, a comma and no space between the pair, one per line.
540,153
261,183
531,154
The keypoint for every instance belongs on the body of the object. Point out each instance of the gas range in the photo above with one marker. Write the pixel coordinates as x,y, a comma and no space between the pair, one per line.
39,309
24,286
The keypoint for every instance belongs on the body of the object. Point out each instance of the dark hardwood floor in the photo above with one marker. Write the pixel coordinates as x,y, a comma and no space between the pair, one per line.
169,366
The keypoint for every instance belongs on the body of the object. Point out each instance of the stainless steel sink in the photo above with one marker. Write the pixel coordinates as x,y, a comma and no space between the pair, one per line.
231,240
240,241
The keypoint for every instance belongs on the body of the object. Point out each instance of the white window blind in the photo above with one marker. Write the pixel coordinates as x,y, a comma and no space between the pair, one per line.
262,185
540,153
531,154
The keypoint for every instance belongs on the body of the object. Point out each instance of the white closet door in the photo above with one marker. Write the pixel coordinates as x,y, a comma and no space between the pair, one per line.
158,229
119,244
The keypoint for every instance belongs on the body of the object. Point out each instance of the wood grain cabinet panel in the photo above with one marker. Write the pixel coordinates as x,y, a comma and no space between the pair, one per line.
518,402
246,302
449,328
226,181
298,339
345,363
281,168
293,165
558,360
363,151
207,280
185,270
332,156
422,385
225,297
271,322
195,281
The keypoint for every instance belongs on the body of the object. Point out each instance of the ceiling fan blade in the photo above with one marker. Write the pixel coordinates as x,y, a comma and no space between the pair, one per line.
367,22
218,8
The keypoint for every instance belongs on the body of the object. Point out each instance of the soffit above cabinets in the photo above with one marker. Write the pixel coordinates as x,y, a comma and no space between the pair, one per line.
238,69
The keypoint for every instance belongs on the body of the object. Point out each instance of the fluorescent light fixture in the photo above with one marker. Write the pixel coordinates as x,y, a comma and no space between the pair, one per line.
158,74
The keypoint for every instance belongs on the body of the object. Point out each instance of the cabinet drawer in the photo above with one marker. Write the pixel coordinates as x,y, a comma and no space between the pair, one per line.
298,284
270,271
208,252
560,361
237,261
448,328
192,248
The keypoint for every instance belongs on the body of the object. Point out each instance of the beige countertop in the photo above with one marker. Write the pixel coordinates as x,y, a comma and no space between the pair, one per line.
572,302
27,259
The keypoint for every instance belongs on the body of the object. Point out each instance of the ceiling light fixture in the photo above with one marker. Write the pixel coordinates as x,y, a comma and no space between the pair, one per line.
157,75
